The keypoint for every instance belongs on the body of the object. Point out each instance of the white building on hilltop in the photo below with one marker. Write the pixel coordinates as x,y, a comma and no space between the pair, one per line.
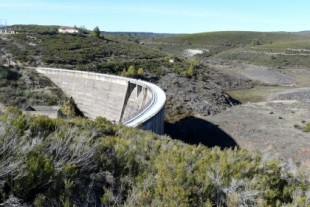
70,30
6,30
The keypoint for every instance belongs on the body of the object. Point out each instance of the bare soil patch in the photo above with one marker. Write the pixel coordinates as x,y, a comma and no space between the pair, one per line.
272,110
267,75
261,74
299,94
268,126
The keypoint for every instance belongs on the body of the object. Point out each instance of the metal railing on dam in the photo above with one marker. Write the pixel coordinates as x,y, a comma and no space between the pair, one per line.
123,100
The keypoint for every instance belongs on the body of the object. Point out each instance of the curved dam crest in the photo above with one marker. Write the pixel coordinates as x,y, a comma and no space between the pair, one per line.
122,100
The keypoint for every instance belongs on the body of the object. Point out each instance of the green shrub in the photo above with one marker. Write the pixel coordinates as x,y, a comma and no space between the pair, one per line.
38,174
8,74
42,125
132,71
20,123
307,128
94,162
191,71
124,73
140,72
69,109
255,42
39,201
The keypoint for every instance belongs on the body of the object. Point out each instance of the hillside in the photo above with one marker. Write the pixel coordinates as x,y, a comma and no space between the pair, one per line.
39,45
277,49
21,87
81,162
237,38
267,72
75,51
56,162
195,85
114,53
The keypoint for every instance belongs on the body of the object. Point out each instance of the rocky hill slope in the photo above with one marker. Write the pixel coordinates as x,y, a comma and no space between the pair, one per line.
34,46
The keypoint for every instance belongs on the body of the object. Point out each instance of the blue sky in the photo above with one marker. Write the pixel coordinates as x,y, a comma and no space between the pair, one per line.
174,16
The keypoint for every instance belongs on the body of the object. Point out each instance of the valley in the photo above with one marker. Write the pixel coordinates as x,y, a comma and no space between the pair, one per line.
237,119
269,77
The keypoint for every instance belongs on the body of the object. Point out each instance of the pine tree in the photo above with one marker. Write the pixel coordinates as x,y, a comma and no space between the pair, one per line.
96,32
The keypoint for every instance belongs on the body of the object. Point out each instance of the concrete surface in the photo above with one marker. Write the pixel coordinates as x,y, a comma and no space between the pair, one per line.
50,111
122,100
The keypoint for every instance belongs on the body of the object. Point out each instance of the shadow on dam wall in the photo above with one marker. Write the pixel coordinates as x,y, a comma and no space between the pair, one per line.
193,130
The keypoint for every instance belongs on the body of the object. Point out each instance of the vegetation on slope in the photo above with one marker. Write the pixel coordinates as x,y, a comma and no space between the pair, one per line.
275,49
307,128
114,54
56,162
84,52
69,109
22,87
269,55
52,29
235,38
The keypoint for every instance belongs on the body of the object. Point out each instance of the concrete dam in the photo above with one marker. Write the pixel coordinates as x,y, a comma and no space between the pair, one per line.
127,101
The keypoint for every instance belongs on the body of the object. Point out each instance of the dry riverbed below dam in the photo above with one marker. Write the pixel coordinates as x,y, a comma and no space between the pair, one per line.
270,118
275,105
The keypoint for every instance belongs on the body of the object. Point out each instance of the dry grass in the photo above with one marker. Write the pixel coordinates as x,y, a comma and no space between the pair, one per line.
256,94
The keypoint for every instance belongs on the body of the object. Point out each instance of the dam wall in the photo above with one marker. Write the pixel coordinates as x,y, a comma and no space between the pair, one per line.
122,100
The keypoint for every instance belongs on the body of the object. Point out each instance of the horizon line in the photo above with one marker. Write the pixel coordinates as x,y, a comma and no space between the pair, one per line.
176,33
